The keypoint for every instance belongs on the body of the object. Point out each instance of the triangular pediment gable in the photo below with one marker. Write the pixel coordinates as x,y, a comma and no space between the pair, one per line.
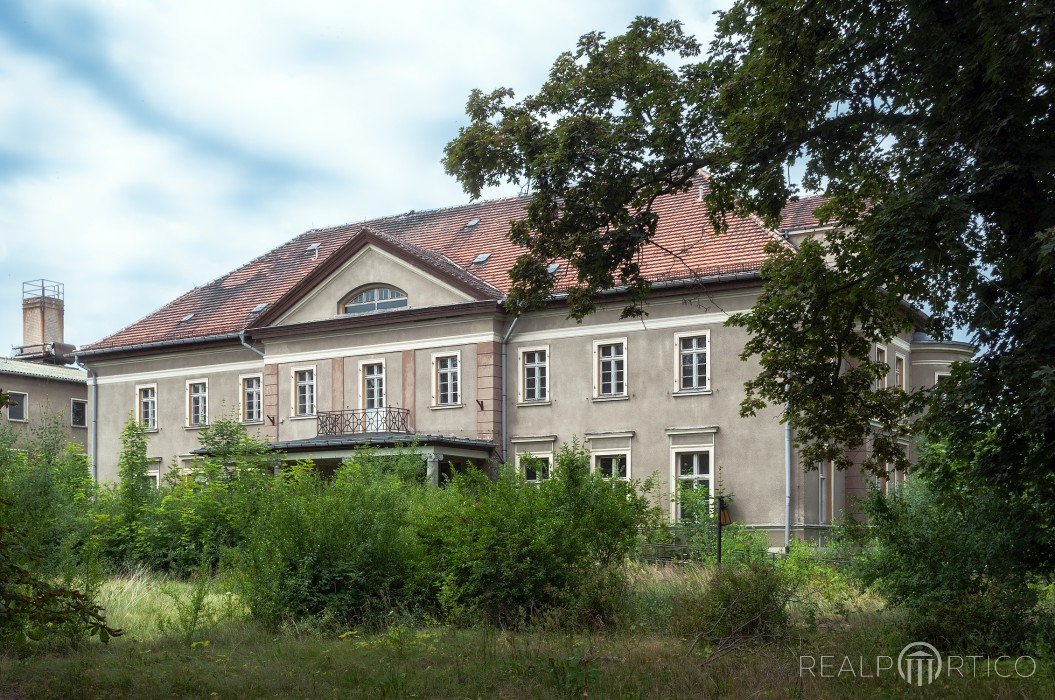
373,259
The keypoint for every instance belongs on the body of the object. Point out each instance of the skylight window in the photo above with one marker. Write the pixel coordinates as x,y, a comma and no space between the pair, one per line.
187,317
481,258
258,308
472,222
313,249
553,267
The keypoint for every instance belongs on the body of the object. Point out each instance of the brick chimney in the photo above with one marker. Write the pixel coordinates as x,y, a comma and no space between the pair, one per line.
43,308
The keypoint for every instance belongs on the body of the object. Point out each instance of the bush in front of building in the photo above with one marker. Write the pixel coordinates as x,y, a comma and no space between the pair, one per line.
340,550
507,552
954,566
48,492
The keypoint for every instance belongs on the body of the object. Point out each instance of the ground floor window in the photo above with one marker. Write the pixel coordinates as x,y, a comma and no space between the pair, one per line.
693,472
535,467
612,466
16,407
78,413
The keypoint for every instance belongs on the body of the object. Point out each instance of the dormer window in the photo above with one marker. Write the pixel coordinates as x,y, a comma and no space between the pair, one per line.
376,299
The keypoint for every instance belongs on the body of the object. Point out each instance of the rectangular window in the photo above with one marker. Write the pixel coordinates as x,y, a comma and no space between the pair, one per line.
693,474
448,380
693,362
197,403
252,402
534,378
536,468
147,407
612,466
611,369
304,392
78,413
16,408
900,380
881,383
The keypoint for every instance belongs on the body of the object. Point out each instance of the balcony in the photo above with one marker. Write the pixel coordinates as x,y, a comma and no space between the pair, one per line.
370,420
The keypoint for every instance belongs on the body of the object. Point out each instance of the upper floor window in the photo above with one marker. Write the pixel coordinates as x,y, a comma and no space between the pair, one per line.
147,407
447,378
610,369
78,413
197,403
881,383
900,380
692,354
376,299
304,392
534,374
16,407
252,405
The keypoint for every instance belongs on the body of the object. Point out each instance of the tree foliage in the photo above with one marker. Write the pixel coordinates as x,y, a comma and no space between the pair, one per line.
929,128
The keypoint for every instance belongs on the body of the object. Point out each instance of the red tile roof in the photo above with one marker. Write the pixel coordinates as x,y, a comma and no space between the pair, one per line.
798,214
685,247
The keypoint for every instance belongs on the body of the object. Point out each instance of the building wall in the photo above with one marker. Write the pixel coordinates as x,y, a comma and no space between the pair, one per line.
47,397
652,424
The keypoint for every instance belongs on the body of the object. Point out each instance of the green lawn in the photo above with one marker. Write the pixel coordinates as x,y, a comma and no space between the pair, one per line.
232,657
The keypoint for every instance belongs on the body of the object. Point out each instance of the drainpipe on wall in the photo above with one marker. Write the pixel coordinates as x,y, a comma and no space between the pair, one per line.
787,480
95,415
505,362
246,343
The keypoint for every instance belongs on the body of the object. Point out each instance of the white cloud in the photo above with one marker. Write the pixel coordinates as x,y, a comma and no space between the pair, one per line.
238,126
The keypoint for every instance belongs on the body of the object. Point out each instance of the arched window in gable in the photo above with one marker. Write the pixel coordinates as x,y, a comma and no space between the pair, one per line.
377,298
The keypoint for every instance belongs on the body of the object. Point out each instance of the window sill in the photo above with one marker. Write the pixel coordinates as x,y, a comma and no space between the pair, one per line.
79,427
309,416
151,430
692,392
196,427
446,406
524,404
252,422
17,420
620,397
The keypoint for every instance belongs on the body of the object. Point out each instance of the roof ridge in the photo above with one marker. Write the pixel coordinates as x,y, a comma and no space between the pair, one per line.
416,212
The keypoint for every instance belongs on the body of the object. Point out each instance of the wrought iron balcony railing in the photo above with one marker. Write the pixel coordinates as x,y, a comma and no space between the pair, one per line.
369,420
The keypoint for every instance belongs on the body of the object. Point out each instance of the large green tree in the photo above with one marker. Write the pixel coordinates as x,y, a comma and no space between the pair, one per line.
929,126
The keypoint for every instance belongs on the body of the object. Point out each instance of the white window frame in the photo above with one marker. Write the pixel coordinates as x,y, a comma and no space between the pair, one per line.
522,376
139,406
597,344
293,390
904,371
188,399
675,473
23,404
241,398
596,455
678,337
436,357
939,374
538,455
362,383
884,381
85,402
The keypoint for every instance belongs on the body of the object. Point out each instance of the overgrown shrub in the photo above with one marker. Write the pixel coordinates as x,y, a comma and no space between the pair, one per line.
48,489
699,527
506,551
340,549
738,604
954,565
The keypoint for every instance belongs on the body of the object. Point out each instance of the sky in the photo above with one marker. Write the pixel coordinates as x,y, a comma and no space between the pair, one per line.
147,148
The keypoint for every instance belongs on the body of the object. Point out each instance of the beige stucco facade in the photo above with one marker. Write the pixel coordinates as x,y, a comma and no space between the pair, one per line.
42,393
651,423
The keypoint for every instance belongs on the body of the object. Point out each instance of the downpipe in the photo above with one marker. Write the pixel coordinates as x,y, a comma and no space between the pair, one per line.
505,404
95,415
787,478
